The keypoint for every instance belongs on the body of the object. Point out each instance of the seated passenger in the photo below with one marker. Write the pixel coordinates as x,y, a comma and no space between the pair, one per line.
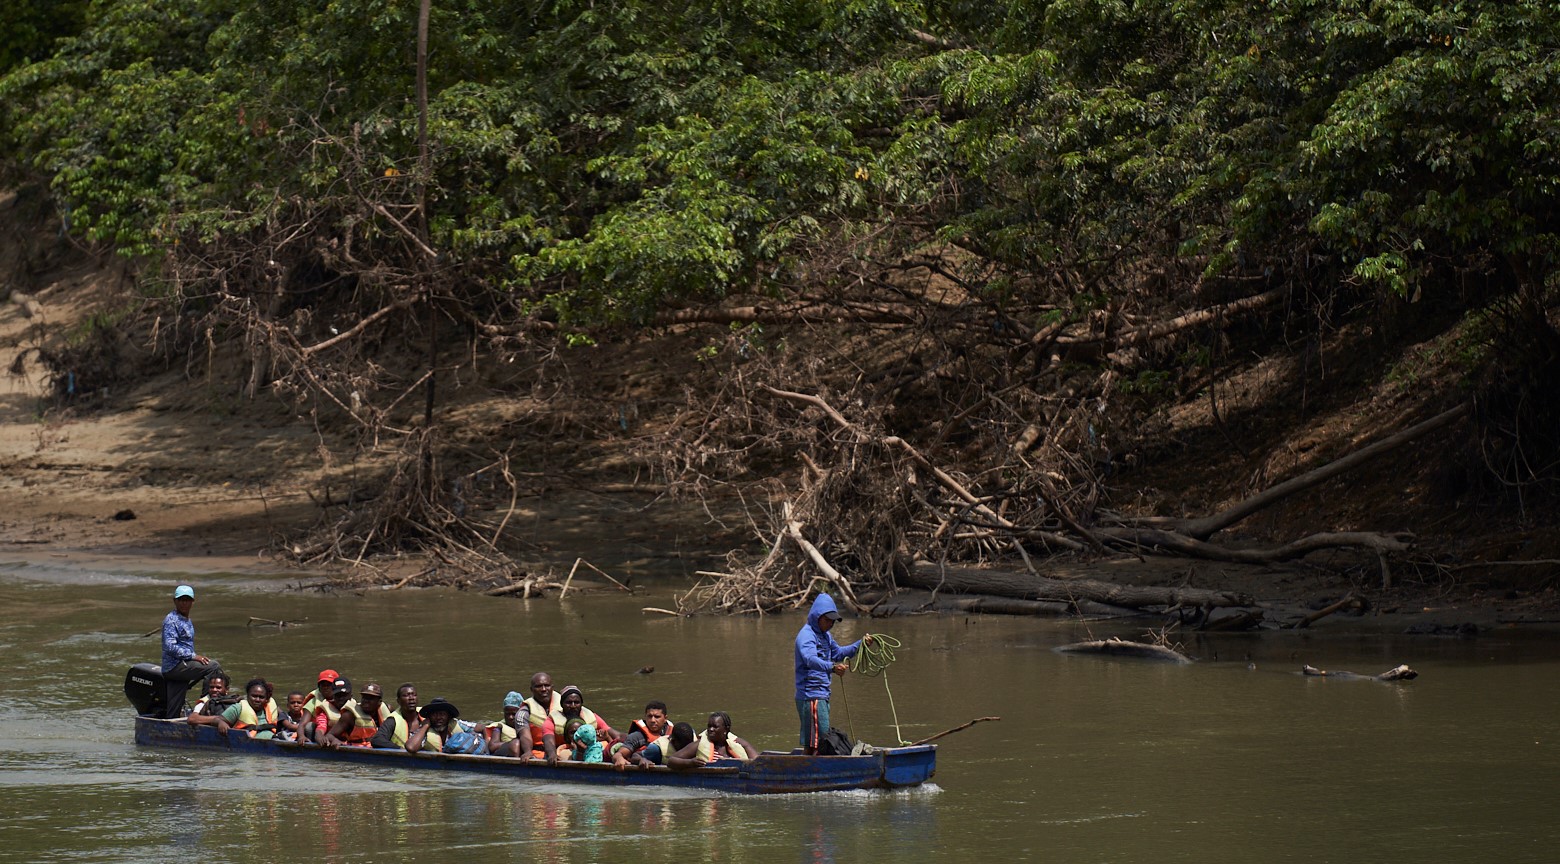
292,720
566,739
327,713
443,721
321,692
213,700
209,708
714,744
512,736
656,754
652,728
401,723
573,705
586,748
544,711
256,714
359,721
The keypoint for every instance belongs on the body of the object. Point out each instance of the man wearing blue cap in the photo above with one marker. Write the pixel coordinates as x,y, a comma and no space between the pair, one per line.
181,666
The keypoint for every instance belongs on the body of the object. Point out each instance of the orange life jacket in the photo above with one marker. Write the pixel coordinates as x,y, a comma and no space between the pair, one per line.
651,737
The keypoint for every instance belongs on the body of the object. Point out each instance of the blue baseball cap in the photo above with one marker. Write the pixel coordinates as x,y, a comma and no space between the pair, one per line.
183,591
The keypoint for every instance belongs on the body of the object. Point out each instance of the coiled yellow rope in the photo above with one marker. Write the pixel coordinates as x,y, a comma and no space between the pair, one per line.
876,654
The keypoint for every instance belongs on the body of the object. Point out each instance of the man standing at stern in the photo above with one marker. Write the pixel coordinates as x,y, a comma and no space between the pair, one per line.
818,655
181,666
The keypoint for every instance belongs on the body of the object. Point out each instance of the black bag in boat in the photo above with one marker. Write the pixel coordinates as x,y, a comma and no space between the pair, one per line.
835,743
145,689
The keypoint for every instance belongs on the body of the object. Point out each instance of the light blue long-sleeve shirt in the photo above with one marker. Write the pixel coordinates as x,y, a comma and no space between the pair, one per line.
178,640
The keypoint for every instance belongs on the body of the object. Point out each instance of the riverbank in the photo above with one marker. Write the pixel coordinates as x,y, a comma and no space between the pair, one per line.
181,467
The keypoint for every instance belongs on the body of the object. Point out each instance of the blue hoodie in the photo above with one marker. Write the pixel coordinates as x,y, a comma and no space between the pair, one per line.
817,652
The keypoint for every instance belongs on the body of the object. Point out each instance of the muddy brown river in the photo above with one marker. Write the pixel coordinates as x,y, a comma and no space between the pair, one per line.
1094,760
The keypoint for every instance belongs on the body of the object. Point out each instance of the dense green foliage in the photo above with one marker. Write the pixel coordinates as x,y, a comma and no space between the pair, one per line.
610,160
29,29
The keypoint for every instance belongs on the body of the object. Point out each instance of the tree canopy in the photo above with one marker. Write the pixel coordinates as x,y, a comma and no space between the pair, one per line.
612,160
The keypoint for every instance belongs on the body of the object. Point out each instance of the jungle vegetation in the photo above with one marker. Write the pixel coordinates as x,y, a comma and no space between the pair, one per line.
1055,189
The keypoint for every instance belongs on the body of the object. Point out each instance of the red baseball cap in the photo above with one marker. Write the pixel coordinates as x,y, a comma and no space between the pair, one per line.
328,675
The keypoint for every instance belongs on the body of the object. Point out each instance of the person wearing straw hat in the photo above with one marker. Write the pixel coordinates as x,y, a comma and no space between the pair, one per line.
181,666
443,722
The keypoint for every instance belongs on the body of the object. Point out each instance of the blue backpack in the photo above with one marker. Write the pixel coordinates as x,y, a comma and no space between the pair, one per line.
466,742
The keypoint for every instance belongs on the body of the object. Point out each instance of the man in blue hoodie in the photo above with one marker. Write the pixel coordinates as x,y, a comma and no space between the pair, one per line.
817,655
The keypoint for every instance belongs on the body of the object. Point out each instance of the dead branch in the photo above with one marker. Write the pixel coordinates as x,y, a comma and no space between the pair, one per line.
525,586
608,576
1349,600
267,622
794,531
358,328
959,728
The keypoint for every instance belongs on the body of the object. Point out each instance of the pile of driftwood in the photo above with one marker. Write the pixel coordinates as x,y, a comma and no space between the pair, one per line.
874,512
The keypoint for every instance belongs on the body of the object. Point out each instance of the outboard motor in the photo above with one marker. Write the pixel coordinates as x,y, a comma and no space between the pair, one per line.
145,689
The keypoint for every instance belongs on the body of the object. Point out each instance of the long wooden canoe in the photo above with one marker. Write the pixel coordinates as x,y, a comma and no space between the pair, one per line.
770,773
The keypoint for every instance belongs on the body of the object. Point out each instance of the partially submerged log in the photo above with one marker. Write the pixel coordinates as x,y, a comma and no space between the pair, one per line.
1024,586
1114,647
1397,673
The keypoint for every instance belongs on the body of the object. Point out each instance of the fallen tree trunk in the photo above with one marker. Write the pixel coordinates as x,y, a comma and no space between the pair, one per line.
1023,586
1122,648
1158,538
1207,526
917,603
1182,322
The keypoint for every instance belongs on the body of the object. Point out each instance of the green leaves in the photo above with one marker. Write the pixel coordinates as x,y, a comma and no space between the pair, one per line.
616,159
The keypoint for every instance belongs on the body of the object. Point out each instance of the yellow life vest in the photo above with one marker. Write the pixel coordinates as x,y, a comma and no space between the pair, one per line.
249,721
706,750
311,702
435,741
538,716
398,732
506,732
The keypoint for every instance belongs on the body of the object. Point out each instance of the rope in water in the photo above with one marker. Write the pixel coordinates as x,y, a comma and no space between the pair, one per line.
872,659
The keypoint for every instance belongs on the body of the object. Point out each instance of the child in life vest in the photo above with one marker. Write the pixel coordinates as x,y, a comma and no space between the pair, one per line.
586,747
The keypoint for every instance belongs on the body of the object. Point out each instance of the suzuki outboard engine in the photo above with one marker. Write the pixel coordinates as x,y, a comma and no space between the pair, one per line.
145,689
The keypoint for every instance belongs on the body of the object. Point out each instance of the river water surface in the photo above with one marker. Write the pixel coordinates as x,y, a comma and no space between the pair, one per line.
1094,760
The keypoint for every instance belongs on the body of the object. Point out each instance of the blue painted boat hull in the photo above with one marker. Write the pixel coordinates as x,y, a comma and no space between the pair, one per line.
769,773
